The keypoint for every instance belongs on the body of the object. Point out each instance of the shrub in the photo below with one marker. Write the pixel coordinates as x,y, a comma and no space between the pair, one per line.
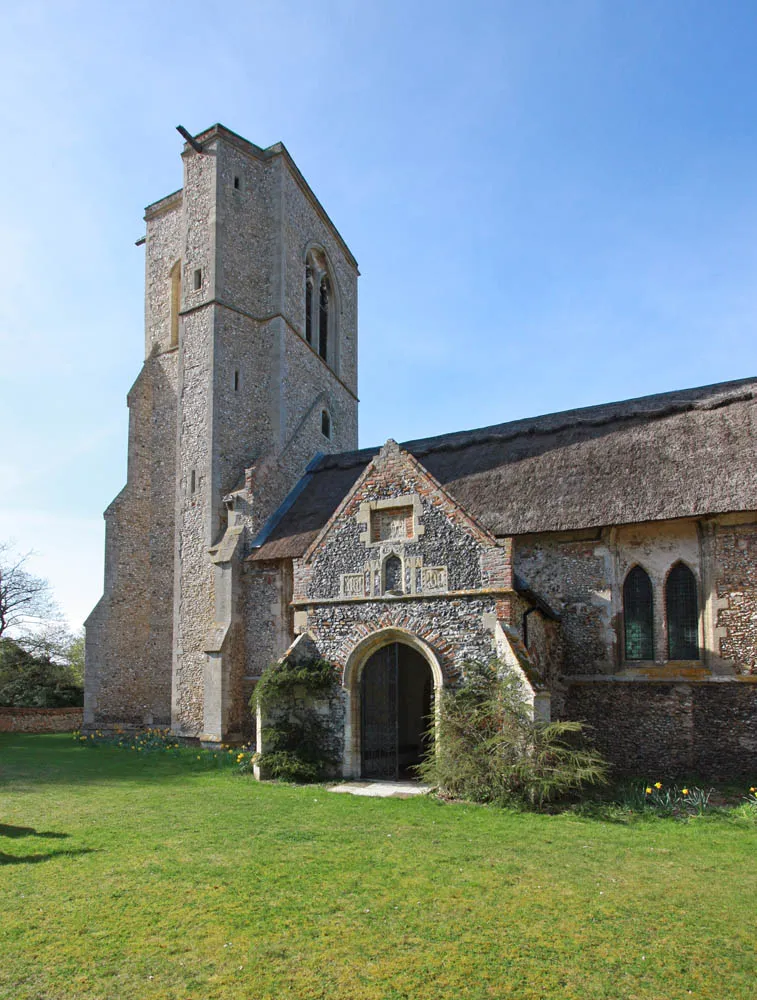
300,743
488,748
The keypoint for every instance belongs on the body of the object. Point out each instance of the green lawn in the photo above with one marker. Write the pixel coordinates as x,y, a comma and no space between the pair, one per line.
128,875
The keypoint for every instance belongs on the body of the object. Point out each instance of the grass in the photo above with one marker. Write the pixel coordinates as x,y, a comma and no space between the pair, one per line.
149,875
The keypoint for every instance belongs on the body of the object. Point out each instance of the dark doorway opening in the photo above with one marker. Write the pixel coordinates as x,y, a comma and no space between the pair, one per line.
396,698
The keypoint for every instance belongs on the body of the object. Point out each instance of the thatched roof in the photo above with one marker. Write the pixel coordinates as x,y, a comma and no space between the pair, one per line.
671,455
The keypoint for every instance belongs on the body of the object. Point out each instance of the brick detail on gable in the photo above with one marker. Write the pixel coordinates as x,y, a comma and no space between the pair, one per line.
442,549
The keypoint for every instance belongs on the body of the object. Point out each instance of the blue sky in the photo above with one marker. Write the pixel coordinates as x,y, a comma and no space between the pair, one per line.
553,204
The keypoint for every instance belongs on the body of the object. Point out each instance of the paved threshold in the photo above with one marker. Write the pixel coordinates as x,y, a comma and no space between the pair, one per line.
383,789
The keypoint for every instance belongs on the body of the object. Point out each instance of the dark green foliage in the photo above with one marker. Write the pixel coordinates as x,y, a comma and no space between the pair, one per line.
488,748
301,744
301,748
28,681
315,678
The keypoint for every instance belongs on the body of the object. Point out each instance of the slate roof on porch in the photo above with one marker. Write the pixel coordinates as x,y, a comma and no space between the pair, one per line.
670,455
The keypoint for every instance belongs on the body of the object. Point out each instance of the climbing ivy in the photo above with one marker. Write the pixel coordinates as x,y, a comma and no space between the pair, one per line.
302,744
287,680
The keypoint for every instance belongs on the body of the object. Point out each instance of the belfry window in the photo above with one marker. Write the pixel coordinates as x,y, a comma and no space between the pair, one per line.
638,616
320,308
323,318
682,613
309,304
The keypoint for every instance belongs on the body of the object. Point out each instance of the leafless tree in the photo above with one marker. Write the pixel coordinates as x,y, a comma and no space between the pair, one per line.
26,602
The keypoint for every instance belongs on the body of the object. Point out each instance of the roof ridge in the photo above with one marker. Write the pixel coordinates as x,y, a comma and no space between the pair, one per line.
476,437
677,401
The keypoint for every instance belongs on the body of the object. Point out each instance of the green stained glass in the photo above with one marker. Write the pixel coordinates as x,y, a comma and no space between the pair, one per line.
682,611
638,615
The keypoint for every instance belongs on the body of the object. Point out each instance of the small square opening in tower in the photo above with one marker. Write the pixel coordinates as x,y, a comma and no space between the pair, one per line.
198,278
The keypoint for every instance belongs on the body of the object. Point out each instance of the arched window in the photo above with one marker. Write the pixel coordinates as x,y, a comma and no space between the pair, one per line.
175,303
393,575
321,312
326,424
682,613
323,319
309,304
638,615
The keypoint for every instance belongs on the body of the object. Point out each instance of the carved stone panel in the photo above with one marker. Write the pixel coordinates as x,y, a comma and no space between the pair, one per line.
433,578
392,523
353,584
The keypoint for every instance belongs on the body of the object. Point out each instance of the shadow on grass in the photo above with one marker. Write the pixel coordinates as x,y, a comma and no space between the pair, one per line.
33,859
29,831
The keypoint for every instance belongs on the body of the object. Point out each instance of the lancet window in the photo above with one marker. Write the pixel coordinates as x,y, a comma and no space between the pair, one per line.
638,615
175,303
309,304
320,311
682,614
323,318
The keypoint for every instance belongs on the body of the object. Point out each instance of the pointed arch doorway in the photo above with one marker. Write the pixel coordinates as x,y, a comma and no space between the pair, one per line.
396,705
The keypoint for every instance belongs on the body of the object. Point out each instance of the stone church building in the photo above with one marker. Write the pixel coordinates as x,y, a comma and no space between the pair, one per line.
606,554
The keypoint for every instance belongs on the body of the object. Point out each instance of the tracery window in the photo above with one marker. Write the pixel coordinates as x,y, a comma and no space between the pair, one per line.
682,613
323,318
309,304
638,615
320,308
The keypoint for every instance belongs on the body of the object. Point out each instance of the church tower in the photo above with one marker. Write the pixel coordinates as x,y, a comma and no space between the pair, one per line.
250,371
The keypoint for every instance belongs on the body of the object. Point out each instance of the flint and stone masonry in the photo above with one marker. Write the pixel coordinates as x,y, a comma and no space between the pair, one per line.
251,527
224,418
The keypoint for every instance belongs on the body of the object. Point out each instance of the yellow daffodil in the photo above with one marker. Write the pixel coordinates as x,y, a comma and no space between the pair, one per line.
753,789
684,791
658,785
649,790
